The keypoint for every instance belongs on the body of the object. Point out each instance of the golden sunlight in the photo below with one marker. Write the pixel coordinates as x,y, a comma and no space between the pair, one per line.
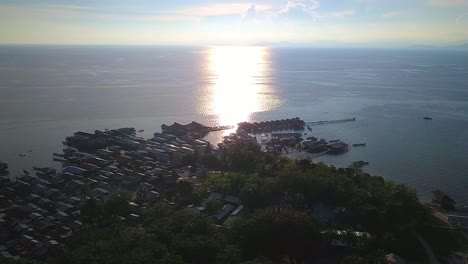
240,81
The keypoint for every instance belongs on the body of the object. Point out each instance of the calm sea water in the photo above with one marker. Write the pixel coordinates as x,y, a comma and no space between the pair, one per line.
49,92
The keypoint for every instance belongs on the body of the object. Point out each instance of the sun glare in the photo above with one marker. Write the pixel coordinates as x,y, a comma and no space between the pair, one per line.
239,75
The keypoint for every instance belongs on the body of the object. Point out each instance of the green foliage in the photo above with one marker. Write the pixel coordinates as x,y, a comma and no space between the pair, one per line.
231,254
107,211
210,161
276,232
353,260
164,236
213,205
243,157
260,260
279,223
21,261
443,241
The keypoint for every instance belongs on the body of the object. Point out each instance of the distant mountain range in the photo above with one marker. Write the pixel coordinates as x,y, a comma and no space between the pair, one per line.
332,44
423,46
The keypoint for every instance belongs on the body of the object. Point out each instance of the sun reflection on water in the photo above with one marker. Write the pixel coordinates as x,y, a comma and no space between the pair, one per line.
240,84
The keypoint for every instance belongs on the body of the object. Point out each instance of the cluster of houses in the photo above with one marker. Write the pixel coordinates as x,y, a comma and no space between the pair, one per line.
275,125
36,215
40,213
281,141
314,145
193,129
235,139
231,209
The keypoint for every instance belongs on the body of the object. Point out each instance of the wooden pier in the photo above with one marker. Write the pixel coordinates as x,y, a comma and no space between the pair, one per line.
325,122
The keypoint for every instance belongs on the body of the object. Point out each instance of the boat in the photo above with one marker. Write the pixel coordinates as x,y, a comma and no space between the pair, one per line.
360,163
359,145
22,155
141,130
427,118
30,150
45,169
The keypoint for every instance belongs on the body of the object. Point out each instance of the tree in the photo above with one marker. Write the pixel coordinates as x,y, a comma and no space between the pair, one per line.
277,232
231,254
353,260
90,210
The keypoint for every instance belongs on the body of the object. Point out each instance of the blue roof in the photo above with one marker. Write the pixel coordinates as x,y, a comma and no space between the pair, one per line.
75,170
237,211
223,212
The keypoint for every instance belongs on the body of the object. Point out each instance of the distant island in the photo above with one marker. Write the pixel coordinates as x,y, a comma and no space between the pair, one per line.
176,199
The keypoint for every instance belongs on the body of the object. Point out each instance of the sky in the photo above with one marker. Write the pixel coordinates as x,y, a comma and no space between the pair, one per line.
203,22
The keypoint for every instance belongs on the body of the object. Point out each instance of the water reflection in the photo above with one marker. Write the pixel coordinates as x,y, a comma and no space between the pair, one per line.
240,84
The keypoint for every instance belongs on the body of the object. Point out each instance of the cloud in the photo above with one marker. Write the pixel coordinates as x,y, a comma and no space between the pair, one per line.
343,13
391,14
307,6
461,20
224,9
189,14
448,2
53,13
72,7
250,14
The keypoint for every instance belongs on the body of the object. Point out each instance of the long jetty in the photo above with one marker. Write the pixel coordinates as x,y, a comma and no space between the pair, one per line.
324,122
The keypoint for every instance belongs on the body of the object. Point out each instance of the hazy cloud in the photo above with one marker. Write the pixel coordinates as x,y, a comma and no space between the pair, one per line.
250,14
343,13
224,9
391,14
448,2
462,20
309,7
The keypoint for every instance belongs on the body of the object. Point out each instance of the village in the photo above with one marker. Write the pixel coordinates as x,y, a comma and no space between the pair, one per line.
40,211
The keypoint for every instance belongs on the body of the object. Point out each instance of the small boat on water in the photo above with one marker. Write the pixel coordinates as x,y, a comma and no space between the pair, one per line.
41,169
141,130
427,118
360,163
44,171
359,145
22,155
30,150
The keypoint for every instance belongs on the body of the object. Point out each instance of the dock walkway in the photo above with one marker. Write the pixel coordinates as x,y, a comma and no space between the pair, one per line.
324,122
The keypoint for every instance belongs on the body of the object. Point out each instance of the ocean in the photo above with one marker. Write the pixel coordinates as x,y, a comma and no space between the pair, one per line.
49,92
